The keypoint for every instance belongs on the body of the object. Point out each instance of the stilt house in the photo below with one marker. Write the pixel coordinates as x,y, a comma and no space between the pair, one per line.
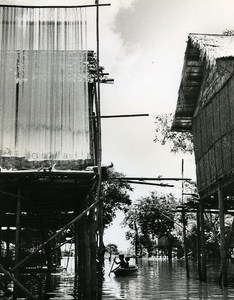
205,107
48,139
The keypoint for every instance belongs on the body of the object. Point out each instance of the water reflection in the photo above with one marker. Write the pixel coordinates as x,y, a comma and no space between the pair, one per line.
155,279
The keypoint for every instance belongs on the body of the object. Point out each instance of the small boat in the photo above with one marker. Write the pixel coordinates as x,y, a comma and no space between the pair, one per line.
120,271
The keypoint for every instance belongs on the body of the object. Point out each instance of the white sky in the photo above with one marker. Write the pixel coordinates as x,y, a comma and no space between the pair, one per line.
142,45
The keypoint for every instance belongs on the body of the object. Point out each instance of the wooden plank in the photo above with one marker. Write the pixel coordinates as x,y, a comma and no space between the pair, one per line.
203,131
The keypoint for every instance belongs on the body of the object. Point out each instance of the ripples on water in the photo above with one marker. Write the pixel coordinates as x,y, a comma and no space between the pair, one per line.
155,280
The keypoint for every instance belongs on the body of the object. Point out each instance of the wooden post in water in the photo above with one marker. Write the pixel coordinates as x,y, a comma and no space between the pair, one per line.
184,225
199,244
223,267
80,261
203,242
76,241
17,237
86,258
93,252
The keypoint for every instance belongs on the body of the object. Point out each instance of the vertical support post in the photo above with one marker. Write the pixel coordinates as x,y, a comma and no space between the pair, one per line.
8,247
93,253
17,236
184,224
136,239
86,258
0,244
185,242
203,242
80,262
76,241
199,267
223,267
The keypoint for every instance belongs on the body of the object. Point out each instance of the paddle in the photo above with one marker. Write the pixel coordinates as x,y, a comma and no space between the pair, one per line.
112,267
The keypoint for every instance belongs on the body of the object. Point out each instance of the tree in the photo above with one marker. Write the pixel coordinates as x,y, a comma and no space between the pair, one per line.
115,196
153,217
180,141
111,249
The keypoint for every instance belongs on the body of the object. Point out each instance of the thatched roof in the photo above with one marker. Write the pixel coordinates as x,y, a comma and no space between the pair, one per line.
202,50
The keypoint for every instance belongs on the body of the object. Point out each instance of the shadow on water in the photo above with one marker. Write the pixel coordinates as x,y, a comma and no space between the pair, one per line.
155,279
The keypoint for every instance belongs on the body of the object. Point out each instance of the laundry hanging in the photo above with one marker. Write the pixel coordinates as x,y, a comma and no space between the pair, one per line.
43,84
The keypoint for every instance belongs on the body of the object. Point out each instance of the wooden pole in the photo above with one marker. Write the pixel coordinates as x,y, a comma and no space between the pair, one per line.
124,116
17,236
76,240
185,242
80,262
199,244
86,259
203,242
223,267
72,6
184,224
93,252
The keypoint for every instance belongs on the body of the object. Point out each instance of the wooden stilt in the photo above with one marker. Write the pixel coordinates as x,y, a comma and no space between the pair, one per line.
185,242
76,248
80,262
93,253
0,244
17,238
86,258
203,243
223,266
199,267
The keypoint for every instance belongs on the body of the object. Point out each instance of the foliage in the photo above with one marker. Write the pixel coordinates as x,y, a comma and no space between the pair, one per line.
228,32
111,248
180,141
151,217
115,196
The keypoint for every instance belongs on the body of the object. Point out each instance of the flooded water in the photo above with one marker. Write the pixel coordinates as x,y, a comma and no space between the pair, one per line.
155,279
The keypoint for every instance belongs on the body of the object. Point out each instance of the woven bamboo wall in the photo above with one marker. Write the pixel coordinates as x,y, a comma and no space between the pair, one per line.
213,130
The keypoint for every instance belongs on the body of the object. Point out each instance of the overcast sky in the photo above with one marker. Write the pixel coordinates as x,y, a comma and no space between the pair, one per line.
142,45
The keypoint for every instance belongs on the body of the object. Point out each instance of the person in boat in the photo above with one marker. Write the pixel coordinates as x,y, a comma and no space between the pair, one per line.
122,263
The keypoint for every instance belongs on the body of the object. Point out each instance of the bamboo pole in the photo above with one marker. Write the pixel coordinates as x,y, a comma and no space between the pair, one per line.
199,244
62,6
148,183
99,163
150,178
223,267
81,215
93,252
203,242
123,116
17,236
184,224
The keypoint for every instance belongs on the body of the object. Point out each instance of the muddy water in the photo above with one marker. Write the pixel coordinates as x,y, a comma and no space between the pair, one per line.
155,280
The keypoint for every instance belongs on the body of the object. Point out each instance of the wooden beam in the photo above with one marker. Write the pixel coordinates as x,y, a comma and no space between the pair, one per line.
124,116
150,178
64,6
148,183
